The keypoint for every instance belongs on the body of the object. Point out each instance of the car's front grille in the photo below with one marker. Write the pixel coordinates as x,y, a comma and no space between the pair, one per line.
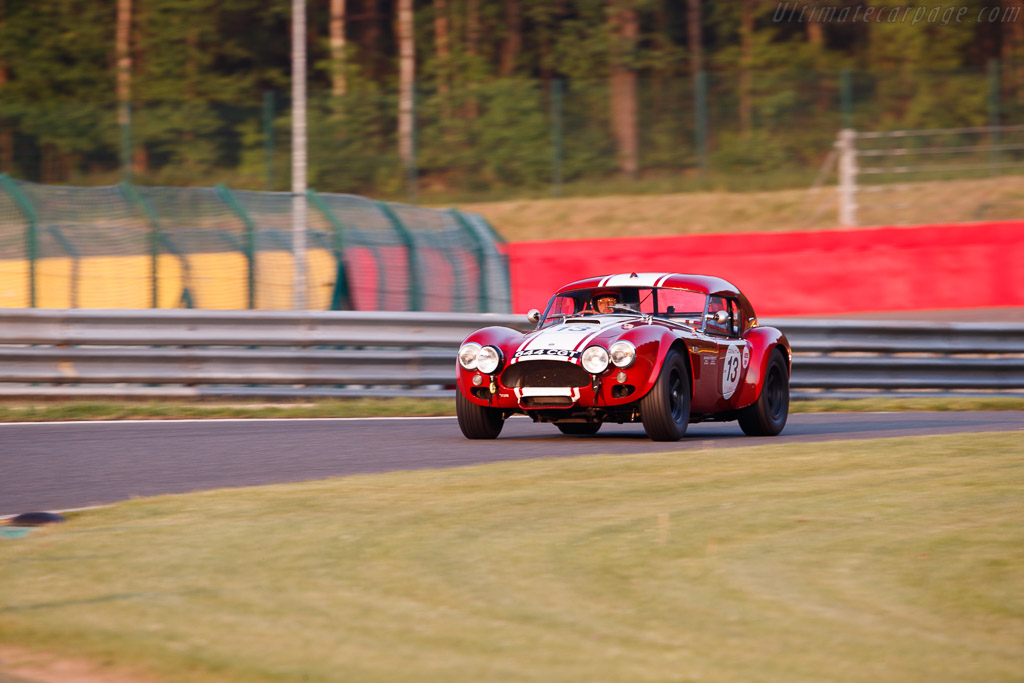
544,373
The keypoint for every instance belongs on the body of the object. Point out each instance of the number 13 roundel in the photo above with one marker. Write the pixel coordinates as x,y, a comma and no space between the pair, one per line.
731,371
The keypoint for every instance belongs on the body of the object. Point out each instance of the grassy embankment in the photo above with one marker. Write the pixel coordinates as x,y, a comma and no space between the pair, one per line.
948,201
887,560
142,410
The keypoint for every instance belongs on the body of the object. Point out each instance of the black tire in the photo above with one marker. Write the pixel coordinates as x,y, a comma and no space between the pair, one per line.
477,422
578,428
665,410
768,414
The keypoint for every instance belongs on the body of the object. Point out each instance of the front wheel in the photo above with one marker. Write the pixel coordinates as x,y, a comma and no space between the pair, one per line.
665,410
578,428
477,422
768,414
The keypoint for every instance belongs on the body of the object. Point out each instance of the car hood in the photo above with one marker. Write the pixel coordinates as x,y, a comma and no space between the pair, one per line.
566,341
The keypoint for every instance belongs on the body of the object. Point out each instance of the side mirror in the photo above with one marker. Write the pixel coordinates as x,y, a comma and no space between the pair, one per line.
533,316
719,317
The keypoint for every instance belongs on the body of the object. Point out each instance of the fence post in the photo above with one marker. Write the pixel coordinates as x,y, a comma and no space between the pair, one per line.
31,232
250,236
129,192
847,148
993,115
481,257
341,299
700,112
76,260
268,139
846,98
557,150
415,303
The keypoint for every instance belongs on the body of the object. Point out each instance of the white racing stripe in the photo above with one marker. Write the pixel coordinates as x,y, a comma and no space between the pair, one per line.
641,280
566,338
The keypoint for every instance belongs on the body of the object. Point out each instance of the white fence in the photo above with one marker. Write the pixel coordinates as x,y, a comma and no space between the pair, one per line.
878,171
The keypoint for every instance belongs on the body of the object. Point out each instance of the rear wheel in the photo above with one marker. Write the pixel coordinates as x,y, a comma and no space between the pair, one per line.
665,410
767,416
475,421
578,428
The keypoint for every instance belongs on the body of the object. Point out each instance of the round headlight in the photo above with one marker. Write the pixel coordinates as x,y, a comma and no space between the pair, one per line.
595,360
467,355
488,359
622,353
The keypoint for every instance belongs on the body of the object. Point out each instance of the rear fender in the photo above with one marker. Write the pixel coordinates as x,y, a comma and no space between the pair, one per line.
761,341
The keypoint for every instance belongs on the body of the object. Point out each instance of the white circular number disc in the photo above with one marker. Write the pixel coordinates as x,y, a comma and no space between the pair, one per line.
731,372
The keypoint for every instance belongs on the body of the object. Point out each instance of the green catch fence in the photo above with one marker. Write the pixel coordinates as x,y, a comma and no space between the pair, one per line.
130,246
767,128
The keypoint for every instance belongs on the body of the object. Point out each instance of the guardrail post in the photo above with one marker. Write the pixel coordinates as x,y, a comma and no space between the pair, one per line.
411,256
846,145
250,236
31,232
340,299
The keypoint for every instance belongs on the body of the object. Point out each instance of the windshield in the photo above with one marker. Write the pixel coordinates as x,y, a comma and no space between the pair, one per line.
675,304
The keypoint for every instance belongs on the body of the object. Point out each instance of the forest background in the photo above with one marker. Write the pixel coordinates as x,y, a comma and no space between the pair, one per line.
506,98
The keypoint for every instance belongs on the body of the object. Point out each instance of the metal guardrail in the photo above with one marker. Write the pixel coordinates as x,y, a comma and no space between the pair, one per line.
181,353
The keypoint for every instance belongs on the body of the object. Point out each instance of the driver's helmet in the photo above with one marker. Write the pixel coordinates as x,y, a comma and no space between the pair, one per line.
603,301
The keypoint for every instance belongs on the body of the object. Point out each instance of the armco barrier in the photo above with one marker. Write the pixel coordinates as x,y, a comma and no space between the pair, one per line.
260,353
802,273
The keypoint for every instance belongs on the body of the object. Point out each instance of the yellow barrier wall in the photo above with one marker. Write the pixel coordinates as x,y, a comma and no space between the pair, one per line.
216,281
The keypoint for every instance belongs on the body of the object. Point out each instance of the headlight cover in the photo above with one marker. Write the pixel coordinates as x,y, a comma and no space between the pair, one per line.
467,355
488,359
622,353
595,360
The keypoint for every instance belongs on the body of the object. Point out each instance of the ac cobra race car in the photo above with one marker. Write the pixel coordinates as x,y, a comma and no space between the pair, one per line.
662,349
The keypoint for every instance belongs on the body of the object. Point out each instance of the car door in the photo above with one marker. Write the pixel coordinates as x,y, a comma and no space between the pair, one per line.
732,349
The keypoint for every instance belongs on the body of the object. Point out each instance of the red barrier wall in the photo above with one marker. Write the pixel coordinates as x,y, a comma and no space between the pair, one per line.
837,271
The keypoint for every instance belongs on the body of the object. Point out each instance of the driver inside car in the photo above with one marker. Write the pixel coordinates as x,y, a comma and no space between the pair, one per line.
603,303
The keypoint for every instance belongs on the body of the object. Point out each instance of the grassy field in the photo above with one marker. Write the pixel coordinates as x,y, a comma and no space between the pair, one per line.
143,410
886,560
947,201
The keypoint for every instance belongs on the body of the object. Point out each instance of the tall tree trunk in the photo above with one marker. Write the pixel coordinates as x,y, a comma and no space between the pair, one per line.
369,40
442,44
625,29
513,43
124,76
815,33
337,42
746,63
406,85
472,27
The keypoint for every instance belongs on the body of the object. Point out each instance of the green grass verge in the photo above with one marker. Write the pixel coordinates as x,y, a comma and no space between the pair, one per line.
140,410
874,560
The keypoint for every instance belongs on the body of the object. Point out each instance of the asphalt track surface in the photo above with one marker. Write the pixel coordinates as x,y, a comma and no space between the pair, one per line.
60,466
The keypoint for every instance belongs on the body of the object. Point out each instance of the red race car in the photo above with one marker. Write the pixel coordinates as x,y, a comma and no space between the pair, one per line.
663,349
